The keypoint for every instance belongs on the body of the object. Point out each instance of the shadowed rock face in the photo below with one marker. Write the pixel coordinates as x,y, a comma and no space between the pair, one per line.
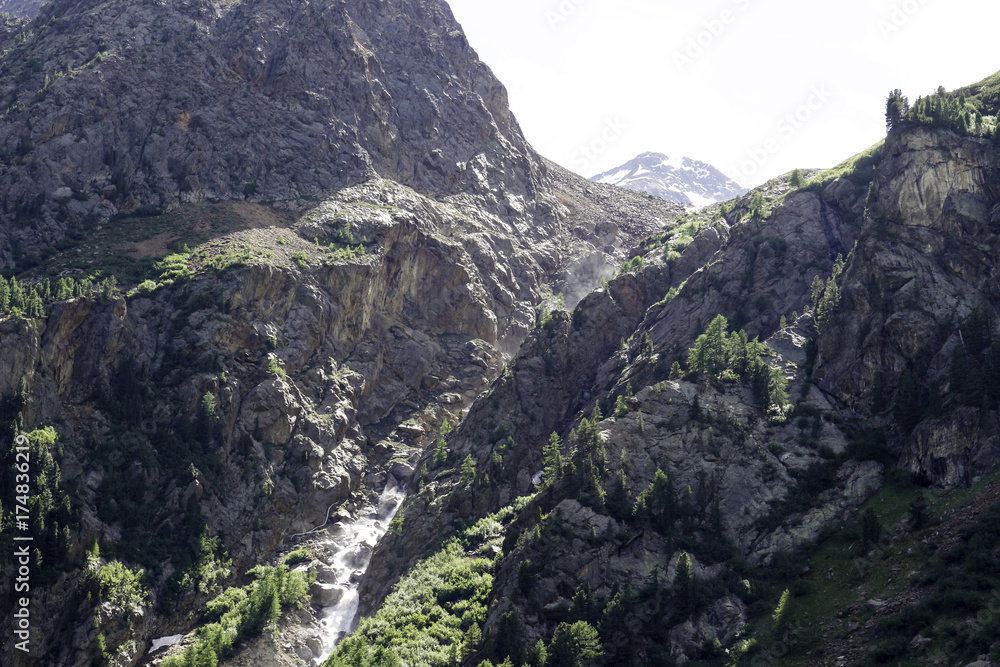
327,373
118,105
21,8
922,264
918,250
324,371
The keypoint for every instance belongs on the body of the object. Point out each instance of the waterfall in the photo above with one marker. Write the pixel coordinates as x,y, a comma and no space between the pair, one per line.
351,546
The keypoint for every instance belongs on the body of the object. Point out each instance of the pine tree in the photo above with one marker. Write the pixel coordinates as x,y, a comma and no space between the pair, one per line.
760,376
467,473
830,298
4,296
207,420
675,371
440,452
510,640
33,306
108,287
657,505
538,656
777,389
738,351
587,467
576,645
709,352
645,345
816,291
552,458
896,109
695,412
470,643
758,208
685,587
16,296
621,409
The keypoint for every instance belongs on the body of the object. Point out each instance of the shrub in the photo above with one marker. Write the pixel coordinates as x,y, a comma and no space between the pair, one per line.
274,367
243,613
576,645
115,583
301,258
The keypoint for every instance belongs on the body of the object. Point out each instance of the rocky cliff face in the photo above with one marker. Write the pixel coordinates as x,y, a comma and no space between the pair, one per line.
920,269
113,106
319,371
393,260
395,233
916,251
20,8
740,465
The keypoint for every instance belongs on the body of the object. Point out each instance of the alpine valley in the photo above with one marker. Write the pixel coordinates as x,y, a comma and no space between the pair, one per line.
307,357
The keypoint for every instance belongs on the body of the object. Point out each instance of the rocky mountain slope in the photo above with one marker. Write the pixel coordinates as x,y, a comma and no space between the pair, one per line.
683,498
20,8
682,180
117,107
317,258
312,274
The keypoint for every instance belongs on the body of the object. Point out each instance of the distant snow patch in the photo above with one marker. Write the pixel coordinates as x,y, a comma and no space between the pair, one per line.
615,179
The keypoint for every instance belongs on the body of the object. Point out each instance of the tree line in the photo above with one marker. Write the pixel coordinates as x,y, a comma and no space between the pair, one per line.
19,299
945,110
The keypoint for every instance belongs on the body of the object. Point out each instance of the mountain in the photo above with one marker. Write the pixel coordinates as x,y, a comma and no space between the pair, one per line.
269,267
254,254
25,8
682,180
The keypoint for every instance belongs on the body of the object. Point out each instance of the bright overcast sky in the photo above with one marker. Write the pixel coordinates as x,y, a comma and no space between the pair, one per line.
754,87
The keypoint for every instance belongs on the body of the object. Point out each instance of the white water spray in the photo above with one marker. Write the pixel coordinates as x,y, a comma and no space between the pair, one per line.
352,546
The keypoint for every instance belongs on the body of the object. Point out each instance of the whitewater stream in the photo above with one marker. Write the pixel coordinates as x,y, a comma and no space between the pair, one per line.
351,545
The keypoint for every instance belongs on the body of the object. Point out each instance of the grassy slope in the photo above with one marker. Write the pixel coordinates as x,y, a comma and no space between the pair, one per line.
867,608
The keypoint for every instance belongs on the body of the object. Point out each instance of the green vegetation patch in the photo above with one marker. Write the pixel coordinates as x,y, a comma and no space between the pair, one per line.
732,357
435,613
859,169
243,612
896,584
131,246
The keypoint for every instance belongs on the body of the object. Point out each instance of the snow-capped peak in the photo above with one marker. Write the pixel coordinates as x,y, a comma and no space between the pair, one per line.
678,179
